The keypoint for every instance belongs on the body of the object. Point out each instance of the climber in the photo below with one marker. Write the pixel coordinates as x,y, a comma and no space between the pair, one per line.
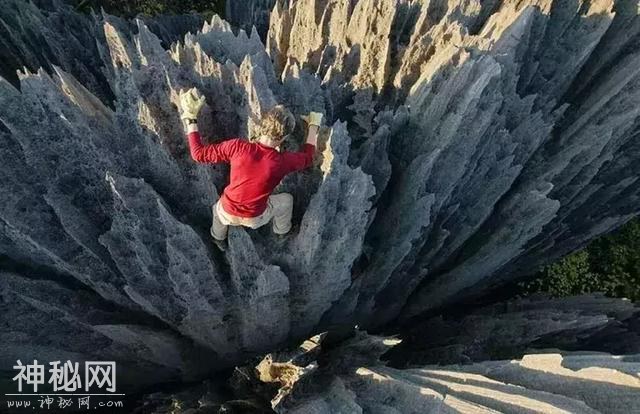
257,167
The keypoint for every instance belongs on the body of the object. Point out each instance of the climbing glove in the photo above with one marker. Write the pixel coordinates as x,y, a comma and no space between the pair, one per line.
191,102
314,118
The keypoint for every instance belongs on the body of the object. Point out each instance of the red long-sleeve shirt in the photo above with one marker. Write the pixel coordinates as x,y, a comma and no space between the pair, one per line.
256,170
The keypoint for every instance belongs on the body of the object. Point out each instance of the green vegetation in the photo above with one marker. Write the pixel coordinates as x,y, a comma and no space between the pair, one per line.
131,8
610,264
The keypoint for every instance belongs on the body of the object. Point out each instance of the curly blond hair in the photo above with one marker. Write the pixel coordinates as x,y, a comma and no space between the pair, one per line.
277,123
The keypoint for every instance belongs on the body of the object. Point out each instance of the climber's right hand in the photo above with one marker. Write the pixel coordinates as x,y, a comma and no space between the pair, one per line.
191,101
314,118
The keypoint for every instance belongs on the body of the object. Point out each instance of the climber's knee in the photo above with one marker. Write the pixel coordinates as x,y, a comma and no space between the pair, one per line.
219,233
282,227
219,230
282,205
282,201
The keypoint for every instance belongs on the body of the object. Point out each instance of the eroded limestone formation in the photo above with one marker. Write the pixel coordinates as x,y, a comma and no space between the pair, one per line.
351,380
467,143
499,358
347,376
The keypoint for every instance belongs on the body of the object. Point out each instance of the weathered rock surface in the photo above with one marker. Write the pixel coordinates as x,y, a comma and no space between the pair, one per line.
500,358
467,143
352,381
510,330
349,378
45,321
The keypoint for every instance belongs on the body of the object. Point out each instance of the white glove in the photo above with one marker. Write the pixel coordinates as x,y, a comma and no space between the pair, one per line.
191,102
314,118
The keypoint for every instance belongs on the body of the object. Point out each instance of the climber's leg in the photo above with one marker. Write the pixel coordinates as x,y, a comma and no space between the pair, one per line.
282,207
219,230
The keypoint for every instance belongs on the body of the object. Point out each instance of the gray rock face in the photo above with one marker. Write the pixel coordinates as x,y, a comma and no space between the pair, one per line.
514,328
499,358
490,360
352,381
506,153
467,143
44,320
